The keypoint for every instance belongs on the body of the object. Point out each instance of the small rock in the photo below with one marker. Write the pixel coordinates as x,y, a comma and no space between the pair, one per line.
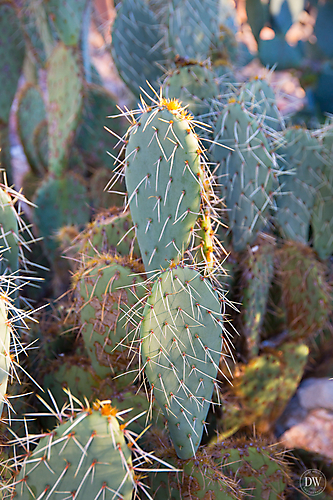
315,433
316,393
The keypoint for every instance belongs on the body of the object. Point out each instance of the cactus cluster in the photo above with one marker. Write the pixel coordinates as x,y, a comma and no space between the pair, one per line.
193,288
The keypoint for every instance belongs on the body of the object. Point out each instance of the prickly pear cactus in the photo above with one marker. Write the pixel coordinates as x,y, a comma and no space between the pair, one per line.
112,232
322,223
301,171
260,99
197,478
305,293
86,456
247,172
5,361
12,56
163,180
9,236
92,140
12,51
34,43
260,467
99,193
256,397
194,86
73,372
64,85
136,45
191,27
105,291
182,340
40,143
257,274
30,113
67,17
59,202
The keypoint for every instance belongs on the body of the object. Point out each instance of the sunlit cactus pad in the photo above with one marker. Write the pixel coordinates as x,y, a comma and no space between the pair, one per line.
163,180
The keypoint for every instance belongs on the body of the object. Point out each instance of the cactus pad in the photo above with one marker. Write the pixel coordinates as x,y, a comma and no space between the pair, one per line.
306,295
92,140
12,56
67,17
109,233
192,25
30,113
299,157
256,397
257,275
246,173
86,456
5,334
163,183
9,234
260,469
182,340
73,372
104,291
194,86
136,48
198,479
259,98
60,202
322,221
64,87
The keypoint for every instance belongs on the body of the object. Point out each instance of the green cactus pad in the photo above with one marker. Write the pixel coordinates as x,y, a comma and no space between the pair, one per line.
92,140
64,85
261,471
5,338
60,202
87,455
67,17
12,52
30,113
194,86
9,234
5,151
305,293
246,173
109,233
163,183
192,25
260,99
137,400
299,157
136,47
40,142
29,24
257,274
198,479
104,290
181,336
12,56
322,221
73,372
